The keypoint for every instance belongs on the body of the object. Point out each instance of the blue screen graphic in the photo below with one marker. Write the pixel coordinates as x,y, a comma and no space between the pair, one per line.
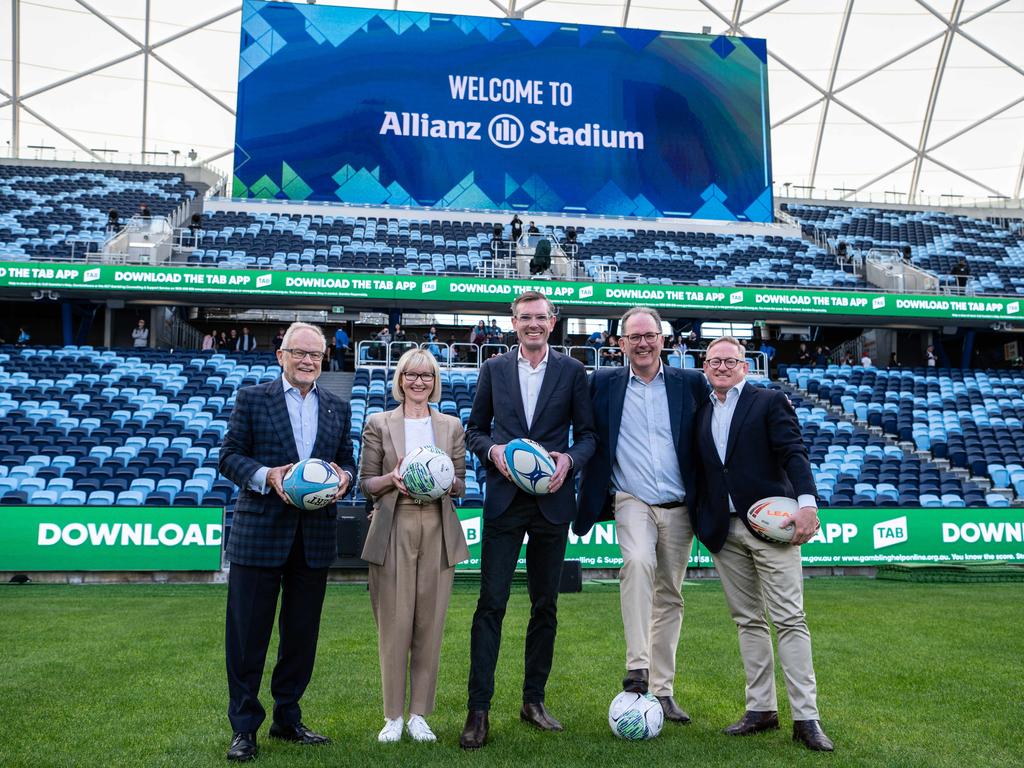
425,109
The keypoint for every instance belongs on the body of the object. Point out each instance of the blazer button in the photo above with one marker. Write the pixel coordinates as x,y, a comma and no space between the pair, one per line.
725,471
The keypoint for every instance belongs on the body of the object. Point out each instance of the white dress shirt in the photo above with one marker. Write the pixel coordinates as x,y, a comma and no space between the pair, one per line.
530,381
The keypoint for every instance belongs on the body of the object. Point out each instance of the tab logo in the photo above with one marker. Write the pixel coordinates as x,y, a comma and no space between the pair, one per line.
878,302
429,286
1013,308
91,275
586,291
262,281
890,532
736,297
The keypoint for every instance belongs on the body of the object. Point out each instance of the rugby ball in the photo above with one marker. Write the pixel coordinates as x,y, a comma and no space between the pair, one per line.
530,465
769,519
311,484
635,716
427,473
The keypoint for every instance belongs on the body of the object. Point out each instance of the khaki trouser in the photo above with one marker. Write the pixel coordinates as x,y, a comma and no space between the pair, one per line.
655,544
410,594
760,578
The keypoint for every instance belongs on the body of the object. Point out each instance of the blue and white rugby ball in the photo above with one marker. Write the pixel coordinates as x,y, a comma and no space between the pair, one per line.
311,484
530,465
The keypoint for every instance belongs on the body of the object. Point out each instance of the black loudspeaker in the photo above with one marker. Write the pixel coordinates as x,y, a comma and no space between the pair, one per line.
352,527
572,576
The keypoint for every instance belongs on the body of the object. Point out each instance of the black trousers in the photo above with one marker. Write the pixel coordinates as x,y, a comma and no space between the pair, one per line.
252,603
545,551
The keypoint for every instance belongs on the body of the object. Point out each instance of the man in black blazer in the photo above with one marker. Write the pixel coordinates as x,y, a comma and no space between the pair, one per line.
274,547
533,392
750,447
644,469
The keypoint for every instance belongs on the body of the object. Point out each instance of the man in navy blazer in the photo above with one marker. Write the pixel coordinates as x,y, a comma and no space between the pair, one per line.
750,447
274,547
533,392
643,469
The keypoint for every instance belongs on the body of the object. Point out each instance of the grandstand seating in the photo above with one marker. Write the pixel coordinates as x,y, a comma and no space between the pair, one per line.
57,212
970,419
937,240
407,246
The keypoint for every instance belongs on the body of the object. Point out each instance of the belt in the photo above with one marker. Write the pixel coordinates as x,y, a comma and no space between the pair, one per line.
670,504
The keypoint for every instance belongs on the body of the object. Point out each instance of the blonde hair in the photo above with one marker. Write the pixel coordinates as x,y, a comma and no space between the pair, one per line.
730,340
408,360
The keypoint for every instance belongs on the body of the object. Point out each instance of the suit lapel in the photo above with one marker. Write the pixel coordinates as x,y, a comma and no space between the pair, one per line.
509,370
326,426
396,428
738,417
442,438
616,400
552,374
674,392
277,410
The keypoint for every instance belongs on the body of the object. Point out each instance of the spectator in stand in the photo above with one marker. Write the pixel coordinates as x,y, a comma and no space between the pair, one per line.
848,360
341,348
611,354
907,255
962,273
433,344
195,224
865,360
144,212
893,363
532,229
399,334
821,356
384,334
246,342
478,335
498,242
24,337
930,357
209,341
803,355
113,221
517,228
279,339
221,343
494,334
140,335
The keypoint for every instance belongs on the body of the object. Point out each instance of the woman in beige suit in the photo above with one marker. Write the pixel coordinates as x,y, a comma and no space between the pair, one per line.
412,547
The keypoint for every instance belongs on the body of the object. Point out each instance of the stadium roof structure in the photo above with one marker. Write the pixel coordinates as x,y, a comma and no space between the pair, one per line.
900,101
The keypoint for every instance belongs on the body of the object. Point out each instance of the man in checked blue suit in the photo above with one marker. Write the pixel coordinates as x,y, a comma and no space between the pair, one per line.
643,470
274,547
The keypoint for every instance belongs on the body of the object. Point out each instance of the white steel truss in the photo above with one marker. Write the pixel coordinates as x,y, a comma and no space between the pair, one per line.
959,26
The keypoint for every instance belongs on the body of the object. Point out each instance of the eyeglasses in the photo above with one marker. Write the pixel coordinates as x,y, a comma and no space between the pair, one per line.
412,376
728,362
533,318
299,354
636,338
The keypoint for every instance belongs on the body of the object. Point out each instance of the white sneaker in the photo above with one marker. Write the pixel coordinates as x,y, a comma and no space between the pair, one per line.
419,730
391,732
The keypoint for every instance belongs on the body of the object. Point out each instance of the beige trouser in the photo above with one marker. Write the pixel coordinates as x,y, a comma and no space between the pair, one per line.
409,594
761,578
655,544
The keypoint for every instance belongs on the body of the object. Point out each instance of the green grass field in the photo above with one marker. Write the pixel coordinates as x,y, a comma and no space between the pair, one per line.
908,675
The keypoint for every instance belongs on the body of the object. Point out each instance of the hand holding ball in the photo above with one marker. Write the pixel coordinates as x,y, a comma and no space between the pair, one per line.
427,473
311,484
771,519
530,466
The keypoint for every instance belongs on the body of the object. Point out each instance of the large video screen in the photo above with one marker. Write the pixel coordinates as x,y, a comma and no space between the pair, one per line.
438,110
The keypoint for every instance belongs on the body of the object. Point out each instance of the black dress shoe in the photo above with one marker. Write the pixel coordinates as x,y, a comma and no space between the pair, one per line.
753,722
474,732
635,681
298,733
672,710
810,734
537,716
243,747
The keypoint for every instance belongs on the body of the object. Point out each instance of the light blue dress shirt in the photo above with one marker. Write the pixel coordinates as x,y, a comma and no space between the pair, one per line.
645,463
304,415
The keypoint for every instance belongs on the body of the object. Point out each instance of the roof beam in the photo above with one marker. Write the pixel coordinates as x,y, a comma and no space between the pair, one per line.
823,118
933,95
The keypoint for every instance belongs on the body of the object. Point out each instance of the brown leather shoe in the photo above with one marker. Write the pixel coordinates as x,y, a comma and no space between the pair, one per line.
537,716
672,710
635,681
810,734
753,722
474,732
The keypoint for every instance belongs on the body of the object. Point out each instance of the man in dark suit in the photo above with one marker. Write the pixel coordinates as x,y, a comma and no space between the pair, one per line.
534,392
643,469
274,547
750,447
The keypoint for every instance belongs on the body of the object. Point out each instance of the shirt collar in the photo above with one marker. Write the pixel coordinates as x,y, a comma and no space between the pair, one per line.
659,375
738,389
543,362
288,387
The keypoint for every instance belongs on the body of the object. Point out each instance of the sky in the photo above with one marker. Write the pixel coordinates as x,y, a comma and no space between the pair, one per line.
868,100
